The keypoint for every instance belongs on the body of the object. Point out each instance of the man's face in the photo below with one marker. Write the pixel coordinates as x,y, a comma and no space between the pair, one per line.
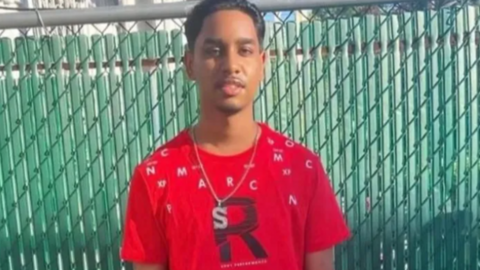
227,61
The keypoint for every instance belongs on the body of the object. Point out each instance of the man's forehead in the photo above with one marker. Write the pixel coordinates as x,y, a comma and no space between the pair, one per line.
224,40
227,21
227,27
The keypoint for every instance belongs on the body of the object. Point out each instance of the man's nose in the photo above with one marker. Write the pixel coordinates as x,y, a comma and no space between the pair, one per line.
230,62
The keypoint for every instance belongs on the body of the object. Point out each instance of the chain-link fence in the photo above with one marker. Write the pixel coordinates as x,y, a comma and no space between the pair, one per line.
388,96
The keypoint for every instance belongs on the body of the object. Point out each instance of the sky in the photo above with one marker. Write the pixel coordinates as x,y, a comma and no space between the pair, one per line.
284,15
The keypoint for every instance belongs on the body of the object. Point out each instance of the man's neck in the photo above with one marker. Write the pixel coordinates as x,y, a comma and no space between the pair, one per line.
226,135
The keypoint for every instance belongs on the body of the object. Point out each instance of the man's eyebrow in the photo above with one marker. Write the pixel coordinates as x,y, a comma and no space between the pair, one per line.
244,41
214,41
217,41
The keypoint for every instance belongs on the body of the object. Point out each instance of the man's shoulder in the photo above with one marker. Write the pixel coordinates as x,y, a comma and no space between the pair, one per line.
168,152
154,171
293,147
290,156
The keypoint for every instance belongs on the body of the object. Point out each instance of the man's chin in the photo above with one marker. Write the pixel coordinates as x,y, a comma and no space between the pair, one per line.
230,109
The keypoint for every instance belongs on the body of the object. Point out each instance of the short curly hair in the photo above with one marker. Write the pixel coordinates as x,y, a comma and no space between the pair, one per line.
194,22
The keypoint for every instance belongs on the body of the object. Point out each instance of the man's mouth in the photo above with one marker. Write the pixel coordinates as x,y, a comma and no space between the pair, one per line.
231,87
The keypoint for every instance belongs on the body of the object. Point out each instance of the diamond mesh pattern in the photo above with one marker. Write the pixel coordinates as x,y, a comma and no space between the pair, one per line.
388,96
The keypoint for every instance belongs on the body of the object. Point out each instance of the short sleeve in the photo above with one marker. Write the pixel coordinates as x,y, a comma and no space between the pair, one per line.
143,238
325,226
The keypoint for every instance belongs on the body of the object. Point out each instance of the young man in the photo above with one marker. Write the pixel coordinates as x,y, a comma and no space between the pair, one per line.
230,193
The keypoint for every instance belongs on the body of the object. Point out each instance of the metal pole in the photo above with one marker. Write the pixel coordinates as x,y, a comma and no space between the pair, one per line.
113,14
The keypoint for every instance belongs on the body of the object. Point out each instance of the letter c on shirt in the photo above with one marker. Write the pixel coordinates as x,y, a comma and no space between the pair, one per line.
308,164
253,185
164,153
289,143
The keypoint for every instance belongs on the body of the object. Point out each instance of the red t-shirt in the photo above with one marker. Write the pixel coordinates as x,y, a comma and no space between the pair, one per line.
284,209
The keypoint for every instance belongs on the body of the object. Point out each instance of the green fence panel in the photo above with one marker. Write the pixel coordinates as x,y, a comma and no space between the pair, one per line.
266,94
281,98
387,96
9,226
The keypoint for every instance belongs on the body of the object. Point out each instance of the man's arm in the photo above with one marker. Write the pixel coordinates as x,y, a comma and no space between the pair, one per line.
320,260
137,266
144,241
325,227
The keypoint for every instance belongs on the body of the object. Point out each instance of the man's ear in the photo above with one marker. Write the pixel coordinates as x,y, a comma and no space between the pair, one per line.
263,56
262,59
188,63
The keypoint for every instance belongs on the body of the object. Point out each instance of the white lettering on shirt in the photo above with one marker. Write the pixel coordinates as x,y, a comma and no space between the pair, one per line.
201,184
292,200
277,157
169,208
164,153
181,171
287,172
230,181
289,143
270,141
253,185
151,162
150,170
308,164
162,183
248,166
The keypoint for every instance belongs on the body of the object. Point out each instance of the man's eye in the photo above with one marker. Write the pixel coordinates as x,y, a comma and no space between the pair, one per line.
213,51
246,51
